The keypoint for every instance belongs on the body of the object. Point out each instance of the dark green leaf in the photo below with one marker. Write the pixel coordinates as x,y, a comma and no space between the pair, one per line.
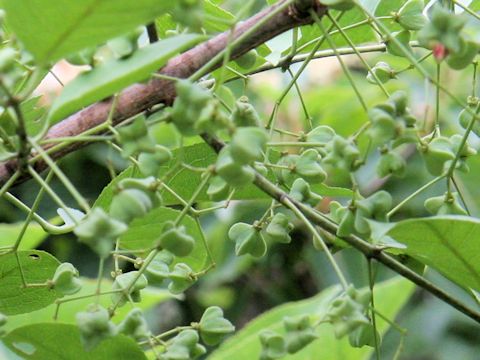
37,267
57,341
449,244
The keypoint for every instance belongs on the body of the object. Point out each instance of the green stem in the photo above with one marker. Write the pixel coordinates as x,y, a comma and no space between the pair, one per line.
345,69
414,194
315,233
364,62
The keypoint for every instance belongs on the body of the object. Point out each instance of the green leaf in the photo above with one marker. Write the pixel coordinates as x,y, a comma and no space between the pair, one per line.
390,296
150,297
115,75
449,244
144,232
52,29
57,341
184,181
37,267
34,235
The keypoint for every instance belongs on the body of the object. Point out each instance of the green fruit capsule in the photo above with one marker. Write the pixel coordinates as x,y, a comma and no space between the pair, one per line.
84,57
342,154
244,114
465,117
465,57
159,269
95,326
129,204
66,279
391,163
248,144
130,285
447,204
213,327
300,332
364,335
346,226
248,240
135,138
382,71
247,60
309,168
436,154
176,240
374,207
232,172
286,176
190,101
321,134
99,231
218,189
151,163
134,325
184,346
383,128
273,345
410,16
279,228
182,277
301,192
399,42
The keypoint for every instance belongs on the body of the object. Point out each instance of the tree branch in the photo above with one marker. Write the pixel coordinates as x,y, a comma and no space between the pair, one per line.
369,250
141,97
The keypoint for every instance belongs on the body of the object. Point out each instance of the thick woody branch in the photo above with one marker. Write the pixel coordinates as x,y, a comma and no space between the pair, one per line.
141,97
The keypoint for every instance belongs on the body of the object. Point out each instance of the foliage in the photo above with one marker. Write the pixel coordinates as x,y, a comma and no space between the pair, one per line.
273,221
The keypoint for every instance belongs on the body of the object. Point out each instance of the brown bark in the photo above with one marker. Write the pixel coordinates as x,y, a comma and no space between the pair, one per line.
141,97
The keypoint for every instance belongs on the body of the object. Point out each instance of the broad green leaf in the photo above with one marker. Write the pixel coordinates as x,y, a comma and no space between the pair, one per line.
390,296
115,75
144,232
150,297
33,236
184,181
37,268
58,341
52,29
449,244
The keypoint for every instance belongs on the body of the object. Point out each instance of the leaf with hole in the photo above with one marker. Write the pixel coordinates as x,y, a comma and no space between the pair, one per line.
56,341
37,267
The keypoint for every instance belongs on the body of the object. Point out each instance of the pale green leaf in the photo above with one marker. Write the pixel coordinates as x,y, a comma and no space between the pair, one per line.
52,29
390,296
115,75
56,341
37,268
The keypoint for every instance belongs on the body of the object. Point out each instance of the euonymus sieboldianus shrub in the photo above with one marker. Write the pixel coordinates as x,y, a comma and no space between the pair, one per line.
384,175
